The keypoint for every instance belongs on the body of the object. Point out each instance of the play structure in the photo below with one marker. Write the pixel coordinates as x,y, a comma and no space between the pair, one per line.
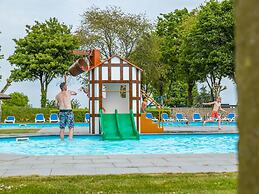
114,93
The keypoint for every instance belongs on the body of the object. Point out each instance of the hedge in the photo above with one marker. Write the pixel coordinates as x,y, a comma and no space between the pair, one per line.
155,111
27,115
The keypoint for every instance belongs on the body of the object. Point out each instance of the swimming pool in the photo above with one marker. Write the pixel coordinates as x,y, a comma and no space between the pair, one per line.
50,125
148,144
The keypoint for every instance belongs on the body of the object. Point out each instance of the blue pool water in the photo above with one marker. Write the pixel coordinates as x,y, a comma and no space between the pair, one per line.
49,125
148,144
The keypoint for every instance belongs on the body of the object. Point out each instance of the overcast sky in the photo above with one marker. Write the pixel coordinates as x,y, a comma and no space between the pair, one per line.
15,14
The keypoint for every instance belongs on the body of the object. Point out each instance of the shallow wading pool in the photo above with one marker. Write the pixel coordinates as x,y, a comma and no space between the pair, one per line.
148,144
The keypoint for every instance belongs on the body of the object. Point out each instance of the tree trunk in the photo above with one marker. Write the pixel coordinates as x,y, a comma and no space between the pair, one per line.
43,89
247,52
190,96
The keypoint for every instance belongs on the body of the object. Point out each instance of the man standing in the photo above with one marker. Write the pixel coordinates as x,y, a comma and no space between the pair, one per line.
66,116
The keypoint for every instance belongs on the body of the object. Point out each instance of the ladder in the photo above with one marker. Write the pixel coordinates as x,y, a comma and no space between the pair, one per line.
152,100
158,106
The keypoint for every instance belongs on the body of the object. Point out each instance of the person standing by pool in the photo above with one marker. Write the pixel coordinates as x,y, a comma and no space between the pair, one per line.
215,111
66,116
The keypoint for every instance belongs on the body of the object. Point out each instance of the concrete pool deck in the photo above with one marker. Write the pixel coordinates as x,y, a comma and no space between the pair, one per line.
19,165
22,165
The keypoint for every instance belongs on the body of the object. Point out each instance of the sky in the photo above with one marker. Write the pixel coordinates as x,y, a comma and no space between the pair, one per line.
16,14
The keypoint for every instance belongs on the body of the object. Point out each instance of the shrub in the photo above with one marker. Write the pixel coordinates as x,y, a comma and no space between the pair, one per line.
155,111
27,115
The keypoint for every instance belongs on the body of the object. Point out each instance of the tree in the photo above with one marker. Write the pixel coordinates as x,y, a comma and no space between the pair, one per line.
1,57
212,44
43,54
147,55
17,99
112,30
203,96
247,71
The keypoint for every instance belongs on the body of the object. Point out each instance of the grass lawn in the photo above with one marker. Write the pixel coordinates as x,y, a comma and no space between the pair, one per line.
135,183
15,131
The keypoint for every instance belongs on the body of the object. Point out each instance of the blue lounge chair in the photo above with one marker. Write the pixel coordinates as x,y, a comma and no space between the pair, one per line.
196,117
87,117
39,118
10,119
230,117
150,116
53,118
179,117
166,118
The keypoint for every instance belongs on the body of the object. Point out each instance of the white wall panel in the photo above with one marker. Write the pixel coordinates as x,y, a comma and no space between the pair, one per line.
125,73
115,60
96,73
96,90
134,90
134,106
134,73
96,106
115,73
105,73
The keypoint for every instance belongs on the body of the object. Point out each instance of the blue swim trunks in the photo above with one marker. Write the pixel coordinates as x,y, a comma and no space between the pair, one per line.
66,118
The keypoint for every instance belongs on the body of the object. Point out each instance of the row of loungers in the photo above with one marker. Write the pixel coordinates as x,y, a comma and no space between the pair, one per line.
195,117
39,118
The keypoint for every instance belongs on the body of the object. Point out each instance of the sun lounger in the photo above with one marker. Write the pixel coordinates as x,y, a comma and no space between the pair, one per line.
87,117
39,118
166,118
179,117
150,116
196,117
53,118
10,119
230,117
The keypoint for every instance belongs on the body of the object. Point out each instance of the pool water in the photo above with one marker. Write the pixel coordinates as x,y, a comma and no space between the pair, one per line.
50,125
148,144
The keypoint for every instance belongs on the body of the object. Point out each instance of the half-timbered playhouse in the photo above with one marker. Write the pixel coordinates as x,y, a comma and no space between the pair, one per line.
114,84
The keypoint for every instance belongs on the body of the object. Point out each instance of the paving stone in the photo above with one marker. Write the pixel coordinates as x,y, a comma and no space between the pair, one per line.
27,172
85,171
160,169
117,170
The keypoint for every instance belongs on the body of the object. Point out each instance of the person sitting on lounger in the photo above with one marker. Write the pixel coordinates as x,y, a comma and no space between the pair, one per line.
215,111
63,101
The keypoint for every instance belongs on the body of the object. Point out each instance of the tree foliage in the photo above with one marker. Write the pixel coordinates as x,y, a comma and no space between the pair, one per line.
17,99
147,55
112,30
211,43
43,54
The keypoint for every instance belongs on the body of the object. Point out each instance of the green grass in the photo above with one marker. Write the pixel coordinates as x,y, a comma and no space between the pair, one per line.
135,183
16,131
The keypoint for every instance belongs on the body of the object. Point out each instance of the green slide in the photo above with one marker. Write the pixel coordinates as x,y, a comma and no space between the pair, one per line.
118,126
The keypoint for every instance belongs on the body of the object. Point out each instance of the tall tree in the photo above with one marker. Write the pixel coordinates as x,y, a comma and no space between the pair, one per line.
174,28
212,43
247,69
43,54
1,57
147,55
112,30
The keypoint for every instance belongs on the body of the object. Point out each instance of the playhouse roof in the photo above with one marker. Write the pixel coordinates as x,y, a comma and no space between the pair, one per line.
113,56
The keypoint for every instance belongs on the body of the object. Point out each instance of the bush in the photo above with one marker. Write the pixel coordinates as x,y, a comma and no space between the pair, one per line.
79,114
155,111
27,115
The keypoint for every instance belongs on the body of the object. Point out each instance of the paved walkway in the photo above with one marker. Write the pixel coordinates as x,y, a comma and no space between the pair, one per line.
18,165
